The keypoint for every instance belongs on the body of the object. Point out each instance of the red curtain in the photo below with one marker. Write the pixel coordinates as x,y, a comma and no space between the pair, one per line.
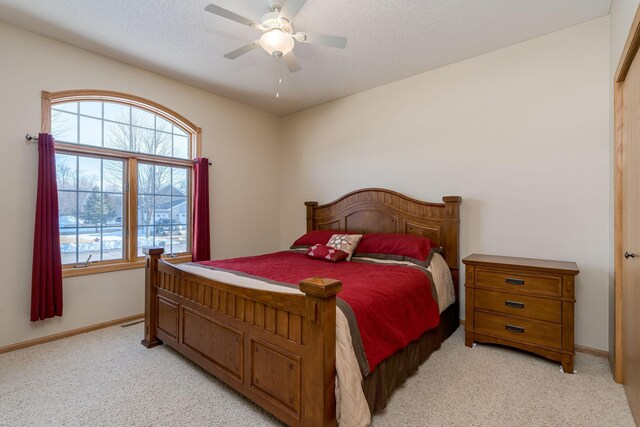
201,234
46,278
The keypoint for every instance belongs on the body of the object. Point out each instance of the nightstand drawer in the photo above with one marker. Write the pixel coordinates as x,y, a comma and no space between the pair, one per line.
518,282
507,327
519,305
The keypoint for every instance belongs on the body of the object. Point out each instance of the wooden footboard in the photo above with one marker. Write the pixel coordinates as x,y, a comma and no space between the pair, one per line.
277,349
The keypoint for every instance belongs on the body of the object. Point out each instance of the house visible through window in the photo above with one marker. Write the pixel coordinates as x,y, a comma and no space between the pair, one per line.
124,179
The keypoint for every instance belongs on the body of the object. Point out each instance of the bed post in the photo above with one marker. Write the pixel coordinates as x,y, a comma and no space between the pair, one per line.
310,206
452,250
319,394
451,245
152,255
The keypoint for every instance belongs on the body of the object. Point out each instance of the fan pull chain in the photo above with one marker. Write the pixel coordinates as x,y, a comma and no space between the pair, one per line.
279,74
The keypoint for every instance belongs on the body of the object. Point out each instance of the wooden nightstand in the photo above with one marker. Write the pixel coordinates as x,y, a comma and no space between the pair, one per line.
521,302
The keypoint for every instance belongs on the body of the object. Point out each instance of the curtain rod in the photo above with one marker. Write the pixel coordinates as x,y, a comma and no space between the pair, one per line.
28,137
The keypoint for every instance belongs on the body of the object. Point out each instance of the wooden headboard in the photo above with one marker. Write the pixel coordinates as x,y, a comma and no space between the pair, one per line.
376,210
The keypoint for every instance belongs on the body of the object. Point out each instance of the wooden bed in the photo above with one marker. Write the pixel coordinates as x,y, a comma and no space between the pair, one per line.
279,349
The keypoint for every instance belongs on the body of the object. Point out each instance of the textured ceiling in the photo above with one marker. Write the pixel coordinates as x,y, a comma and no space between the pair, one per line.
388,39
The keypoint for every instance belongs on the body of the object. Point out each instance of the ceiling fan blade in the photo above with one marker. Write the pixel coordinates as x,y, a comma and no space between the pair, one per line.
241,51
322,39
217,10
291,8
292,62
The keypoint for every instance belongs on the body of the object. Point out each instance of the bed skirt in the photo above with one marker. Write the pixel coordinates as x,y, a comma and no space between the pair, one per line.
390,374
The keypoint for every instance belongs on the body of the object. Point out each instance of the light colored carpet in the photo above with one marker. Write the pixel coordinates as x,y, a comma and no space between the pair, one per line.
107,378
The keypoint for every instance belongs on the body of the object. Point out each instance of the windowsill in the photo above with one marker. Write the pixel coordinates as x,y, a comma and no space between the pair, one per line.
71,271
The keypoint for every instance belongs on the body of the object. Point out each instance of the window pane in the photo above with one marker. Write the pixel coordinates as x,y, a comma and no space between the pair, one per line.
162,242
111,209
90,169
112,232
145,210
117,112
145,239
68,246
90,108
163,144
163,125
66,172
162,214
68,222
90,131
71,107
180,147
179,242
145,178
89,205
88,244
113,175
67,209
112,247
100,209
163,180
91,221
180,186
64,126
117,136
142,118
142,140
178,131
179,210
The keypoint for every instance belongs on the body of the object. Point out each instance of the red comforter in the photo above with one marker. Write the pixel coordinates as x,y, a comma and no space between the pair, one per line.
393,304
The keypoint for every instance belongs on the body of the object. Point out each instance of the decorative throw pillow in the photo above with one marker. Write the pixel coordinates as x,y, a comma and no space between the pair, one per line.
315,237
345,242
326,253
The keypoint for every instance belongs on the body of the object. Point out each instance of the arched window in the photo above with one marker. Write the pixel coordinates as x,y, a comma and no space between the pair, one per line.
124,170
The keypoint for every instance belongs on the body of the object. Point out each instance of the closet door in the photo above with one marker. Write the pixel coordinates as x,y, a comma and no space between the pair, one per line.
627,220
630,292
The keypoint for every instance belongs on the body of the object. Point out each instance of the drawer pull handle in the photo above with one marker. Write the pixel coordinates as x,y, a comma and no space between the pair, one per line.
514,304
515,281
512,328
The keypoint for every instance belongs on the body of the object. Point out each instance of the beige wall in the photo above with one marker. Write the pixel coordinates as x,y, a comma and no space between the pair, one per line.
241,141
621,16
522,134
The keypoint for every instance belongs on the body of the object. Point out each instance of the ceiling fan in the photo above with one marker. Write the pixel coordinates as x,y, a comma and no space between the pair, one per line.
277,37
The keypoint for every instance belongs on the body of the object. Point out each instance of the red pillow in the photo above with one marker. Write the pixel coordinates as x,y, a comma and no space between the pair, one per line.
316,237
399,247
327,253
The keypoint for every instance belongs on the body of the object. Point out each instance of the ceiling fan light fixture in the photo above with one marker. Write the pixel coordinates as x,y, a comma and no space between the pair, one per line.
277,42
